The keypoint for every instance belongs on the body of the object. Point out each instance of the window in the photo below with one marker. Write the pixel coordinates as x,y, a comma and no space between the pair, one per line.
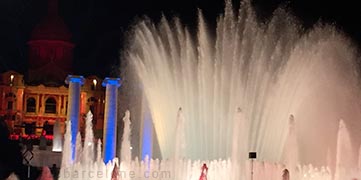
92,109
92,100
66,107
50,106
10,105
30,105
10,95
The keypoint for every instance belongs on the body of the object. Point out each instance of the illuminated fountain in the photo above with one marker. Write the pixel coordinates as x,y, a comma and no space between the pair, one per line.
237,92
270,70
177,168
57,137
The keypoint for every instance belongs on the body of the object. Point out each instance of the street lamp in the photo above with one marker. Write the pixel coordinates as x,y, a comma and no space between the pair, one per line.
95,83
11,79
252,156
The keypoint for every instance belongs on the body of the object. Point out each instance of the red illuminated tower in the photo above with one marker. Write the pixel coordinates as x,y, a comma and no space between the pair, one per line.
50,49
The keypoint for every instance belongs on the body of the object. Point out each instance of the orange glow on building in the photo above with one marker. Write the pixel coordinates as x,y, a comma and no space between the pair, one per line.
42,95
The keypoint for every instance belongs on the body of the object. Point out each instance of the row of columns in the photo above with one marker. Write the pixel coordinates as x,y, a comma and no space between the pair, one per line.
110,116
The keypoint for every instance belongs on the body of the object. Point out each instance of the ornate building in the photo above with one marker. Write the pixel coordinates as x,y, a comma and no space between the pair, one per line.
50,49
42,97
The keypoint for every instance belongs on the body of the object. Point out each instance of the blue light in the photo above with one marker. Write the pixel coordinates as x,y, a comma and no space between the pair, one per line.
109,149
147,136
110,120
74,79
75,83
74,132
111,81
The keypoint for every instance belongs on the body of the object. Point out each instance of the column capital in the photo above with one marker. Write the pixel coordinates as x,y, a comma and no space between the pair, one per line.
111,81
74,79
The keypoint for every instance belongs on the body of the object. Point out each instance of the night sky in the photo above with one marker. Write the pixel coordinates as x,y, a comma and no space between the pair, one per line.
99,27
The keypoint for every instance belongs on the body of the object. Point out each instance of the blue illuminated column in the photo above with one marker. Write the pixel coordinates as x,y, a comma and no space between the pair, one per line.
75,83
147,131
110,117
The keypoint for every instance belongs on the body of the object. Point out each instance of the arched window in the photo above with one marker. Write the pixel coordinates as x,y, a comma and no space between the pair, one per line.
92,100
50,106
10,105
11,97
30,105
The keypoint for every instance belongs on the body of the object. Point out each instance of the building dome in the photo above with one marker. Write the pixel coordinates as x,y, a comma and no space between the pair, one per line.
52,27
50,49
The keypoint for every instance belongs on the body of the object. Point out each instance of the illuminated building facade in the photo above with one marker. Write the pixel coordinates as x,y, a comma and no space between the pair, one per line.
23,105
42,97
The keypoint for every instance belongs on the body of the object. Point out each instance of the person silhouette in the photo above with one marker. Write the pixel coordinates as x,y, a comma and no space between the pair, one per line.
46,127
204,172
42,143
54,171
10,156
285,174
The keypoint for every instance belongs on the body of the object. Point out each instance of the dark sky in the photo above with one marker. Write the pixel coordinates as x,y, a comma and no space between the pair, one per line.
99,26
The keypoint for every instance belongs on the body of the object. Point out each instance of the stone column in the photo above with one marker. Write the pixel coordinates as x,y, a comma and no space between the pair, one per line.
75,83
110,117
